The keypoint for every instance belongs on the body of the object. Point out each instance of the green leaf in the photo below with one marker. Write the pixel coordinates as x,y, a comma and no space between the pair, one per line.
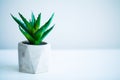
26,22
27,35
32,19
20,23
44,27
46,32
37,23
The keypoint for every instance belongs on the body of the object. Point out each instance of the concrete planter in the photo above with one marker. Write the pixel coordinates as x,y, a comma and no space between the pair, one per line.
33,58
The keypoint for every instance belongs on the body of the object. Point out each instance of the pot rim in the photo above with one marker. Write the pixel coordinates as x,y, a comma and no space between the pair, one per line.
27,43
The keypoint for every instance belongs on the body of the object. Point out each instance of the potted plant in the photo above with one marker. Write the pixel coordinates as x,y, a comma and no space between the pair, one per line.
33,54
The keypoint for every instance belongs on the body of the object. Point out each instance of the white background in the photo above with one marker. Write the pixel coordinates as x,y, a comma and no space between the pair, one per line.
80,24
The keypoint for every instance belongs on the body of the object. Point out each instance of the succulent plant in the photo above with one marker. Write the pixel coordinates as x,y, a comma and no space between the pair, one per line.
32,29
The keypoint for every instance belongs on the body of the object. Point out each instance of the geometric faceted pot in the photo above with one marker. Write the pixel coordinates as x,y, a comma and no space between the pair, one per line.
33,58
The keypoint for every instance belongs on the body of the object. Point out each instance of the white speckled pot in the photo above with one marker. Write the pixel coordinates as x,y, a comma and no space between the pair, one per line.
33,58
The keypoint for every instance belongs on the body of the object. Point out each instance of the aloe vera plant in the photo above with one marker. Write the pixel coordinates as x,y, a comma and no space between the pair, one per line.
32,29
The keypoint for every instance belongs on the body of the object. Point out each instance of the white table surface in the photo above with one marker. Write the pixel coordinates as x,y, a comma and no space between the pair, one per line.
66,65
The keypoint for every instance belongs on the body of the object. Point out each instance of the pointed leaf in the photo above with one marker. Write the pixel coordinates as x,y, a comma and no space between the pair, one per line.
37,23
32,19
26,22
20,23
46,32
